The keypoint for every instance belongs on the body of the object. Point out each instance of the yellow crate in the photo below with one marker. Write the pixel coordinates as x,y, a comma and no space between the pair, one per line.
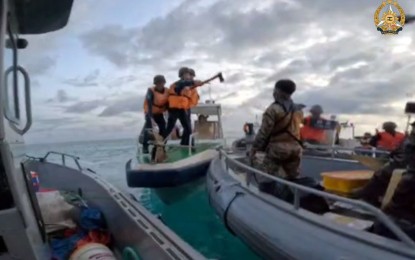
345,181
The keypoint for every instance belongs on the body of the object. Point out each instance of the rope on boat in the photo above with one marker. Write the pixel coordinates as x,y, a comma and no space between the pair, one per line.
225,213
130,254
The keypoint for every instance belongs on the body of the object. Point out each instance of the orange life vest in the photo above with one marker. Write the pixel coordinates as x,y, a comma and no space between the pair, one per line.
390,142
160,101
194,97
311,133
181,101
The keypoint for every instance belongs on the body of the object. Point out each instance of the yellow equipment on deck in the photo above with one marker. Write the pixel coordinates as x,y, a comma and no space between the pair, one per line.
345,182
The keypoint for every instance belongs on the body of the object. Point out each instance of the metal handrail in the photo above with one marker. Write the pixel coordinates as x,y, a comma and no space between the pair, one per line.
385,220
63,156
340,148
332,149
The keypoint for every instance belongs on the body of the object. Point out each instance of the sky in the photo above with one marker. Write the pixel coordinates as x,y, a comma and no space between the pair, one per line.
89,79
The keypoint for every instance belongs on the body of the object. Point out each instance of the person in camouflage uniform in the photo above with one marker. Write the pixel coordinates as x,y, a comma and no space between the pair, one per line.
402,204
376,188
279,136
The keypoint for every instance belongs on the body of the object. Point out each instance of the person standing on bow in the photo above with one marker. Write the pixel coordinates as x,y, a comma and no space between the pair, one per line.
180,94
194,99
155,104
279,136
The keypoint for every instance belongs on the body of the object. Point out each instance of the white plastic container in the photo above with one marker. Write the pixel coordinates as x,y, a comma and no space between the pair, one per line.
93,251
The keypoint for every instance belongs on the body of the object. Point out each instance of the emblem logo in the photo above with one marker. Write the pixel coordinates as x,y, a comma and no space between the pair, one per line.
389,17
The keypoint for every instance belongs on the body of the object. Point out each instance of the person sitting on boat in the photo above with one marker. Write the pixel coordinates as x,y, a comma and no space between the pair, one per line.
155,104
389,139
401,207
378,184
365,141
204,128
364,145
309,132
402,204
179,104
279,136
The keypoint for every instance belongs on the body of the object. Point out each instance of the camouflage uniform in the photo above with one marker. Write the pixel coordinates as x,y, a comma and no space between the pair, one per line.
378,184
279,138
402,204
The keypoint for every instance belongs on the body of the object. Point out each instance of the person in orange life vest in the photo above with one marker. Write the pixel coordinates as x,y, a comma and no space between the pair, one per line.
389,139
310,134
365,141
194,95
179,104
194,99
155,104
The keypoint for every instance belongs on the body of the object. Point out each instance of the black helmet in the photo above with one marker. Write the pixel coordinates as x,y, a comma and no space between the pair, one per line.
389,125
192,72
182,71
159,79
316,109
286,85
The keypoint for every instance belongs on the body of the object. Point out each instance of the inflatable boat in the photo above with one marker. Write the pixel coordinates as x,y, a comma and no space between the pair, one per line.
277,229
184,167
131,226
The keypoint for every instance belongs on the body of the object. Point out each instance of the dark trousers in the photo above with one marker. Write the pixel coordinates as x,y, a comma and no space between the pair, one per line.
183,116
161,123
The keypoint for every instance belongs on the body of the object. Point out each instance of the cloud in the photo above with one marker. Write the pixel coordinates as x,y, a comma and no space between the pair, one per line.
132,103
61,97
331,49
90,80
40,66
97,42
121,81
84,106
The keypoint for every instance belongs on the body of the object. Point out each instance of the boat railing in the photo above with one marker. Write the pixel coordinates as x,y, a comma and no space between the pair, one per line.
333,149
330,149
380,216
63,156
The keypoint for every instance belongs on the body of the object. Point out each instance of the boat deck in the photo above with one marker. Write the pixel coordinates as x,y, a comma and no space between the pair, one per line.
177,153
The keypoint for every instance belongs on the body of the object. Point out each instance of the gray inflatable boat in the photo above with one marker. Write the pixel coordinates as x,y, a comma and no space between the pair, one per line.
276,229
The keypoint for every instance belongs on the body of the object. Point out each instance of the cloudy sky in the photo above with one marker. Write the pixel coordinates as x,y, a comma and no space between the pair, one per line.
88,80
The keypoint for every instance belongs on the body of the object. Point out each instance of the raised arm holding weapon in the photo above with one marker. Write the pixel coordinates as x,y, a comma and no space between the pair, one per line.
182,97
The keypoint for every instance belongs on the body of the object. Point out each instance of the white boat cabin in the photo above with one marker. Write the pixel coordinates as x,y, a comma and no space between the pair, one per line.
208,123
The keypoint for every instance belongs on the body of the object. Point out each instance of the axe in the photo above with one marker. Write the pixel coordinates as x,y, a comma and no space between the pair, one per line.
217,76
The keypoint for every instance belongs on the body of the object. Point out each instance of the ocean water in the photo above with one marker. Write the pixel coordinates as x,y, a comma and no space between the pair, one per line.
192,218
